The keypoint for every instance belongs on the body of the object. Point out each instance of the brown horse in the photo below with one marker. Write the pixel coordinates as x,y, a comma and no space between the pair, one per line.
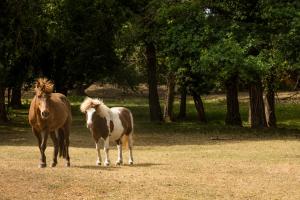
50,113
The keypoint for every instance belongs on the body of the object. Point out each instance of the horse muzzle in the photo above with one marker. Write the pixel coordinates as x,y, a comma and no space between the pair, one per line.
45,114
89,125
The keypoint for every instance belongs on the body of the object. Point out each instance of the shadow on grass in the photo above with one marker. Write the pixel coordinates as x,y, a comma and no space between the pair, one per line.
111,168
147,134
94,167
145,164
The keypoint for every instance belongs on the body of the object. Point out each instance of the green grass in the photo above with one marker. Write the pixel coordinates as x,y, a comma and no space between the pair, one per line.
180,160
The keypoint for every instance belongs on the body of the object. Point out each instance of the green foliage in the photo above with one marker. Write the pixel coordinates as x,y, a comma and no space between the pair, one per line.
226,58
18,41
184,31
82,42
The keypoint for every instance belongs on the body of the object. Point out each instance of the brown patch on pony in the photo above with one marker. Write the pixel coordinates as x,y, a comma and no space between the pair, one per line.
99,128
111,124
125,118
43,85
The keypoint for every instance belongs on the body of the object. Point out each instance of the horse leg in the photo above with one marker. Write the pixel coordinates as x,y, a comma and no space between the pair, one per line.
43,148
98,162
55,144
106,150
67,151
66,131
130,144
39,139
120,157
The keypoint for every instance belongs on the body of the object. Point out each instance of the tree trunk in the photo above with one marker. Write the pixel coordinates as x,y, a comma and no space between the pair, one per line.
79,90
16,97
270,102
9,95
182,109
233,116
257,117
154,106
3,112
168,111
199,107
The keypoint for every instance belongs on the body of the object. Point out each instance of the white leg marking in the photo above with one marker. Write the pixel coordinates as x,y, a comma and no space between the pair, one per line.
98,162
130,141
106,150
120,157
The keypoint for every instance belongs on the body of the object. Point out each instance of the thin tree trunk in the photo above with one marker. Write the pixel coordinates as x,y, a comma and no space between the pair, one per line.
154,106
257,117
16,97
8,95
233,116
3,112
270,102
182,108
199,107
168,110
80,90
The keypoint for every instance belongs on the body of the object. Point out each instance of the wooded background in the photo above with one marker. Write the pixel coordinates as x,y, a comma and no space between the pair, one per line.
198,46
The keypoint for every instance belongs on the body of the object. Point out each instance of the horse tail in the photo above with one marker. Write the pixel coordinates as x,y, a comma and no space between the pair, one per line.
125,139
128,138
61,143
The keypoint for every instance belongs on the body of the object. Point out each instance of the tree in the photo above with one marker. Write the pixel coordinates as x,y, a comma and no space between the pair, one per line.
184,31
169,101
143,48
76,42
17,45
226,57
258,27
282,22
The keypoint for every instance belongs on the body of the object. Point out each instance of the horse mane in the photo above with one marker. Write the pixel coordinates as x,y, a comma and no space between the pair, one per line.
101,109
44,85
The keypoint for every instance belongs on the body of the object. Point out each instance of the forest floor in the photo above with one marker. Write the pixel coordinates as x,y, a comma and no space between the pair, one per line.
180,160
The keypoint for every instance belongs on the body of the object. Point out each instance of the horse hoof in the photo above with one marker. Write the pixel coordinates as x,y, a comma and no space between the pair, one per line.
118,163
106,164
68,164
53,164
42,165
98,163
130,162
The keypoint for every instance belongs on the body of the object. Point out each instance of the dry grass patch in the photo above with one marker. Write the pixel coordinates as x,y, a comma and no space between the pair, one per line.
218,170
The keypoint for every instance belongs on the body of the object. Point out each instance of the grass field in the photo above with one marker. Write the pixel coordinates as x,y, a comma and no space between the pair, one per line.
181,160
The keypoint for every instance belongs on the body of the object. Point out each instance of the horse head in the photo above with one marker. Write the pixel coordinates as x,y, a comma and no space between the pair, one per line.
90,106
43,90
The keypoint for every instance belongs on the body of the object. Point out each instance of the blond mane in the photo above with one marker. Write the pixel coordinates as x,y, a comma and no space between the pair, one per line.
43,85
98,104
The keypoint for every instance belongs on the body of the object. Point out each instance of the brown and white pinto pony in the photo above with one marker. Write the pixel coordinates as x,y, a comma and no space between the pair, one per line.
50,114
109,124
